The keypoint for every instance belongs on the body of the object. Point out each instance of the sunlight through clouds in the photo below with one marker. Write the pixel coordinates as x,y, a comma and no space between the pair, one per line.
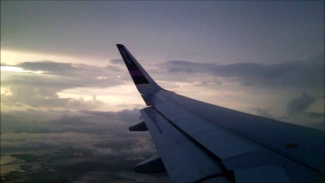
18,69
5,91
13,57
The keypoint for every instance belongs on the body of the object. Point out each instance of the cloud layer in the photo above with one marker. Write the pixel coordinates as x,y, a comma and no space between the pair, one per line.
108,150
298,74
41,90
299,105
88,129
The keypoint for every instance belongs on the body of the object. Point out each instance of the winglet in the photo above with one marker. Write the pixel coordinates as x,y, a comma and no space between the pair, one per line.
141,78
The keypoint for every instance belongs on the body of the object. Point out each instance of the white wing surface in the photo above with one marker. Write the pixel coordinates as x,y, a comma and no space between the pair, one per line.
200,142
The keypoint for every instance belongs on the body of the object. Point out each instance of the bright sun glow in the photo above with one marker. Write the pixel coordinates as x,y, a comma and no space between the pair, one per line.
17,69
13,57
10,68
5,91
116,98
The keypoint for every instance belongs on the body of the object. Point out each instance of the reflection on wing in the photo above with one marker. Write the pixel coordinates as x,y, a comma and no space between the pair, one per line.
200,142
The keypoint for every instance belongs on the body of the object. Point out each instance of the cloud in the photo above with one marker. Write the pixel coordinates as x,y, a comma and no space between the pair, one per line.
52,68
40,141
73,120
316,115
82,75
41,90
308,73
117,61
281,74
113,68
263,112
67,70
181,66
126,115
108,130
42,96
184,55
102,137
299,105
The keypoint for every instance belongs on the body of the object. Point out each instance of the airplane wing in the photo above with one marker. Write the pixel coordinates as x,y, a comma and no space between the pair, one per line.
200,142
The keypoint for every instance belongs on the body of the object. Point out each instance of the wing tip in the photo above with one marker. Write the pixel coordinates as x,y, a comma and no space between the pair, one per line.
120,45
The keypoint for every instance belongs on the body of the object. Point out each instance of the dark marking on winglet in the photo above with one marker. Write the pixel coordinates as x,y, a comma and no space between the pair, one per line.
136,74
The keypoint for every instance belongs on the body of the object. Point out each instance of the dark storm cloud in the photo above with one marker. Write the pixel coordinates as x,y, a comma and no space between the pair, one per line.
309,73
299,105
283,74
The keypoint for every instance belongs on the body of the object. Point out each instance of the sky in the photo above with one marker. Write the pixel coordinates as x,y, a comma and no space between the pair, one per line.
62,73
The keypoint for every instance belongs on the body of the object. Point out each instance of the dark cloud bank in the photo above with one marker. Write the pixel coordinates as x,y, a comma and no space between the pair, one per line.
309,73
299,107
300,104
294,76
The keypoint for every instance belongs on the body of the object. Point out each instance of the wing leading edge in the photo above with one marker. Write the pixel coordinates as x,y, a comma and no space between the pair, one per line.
200,142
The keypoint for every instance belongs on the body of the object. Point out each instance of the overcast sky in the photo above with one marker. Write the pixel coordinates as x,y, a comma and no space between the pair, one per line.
59,58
